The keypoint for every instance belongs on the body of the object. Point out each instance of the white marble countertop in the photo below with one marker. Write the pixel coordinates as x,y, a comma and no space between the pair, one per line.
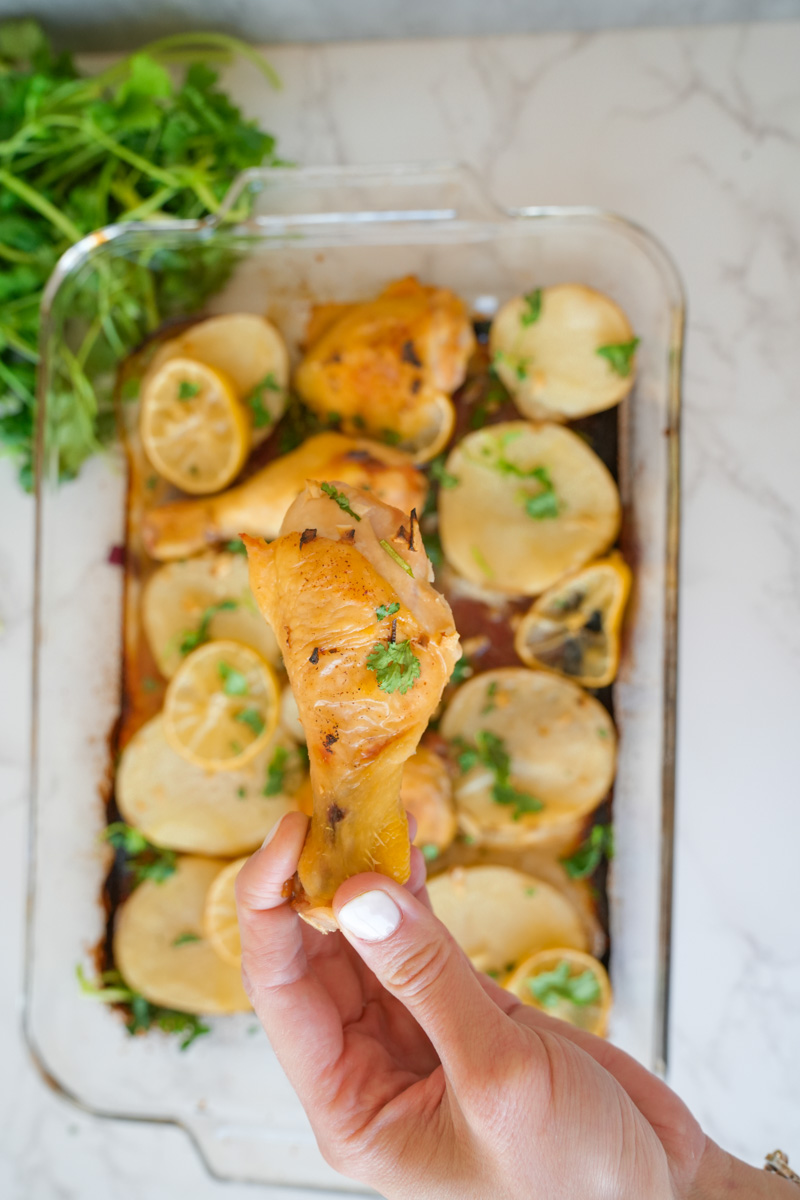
696,134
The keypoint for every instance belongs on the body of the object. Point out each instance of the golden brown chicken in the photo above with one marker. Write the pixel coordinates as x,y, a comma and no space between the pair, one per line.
369,646
390,365
259,505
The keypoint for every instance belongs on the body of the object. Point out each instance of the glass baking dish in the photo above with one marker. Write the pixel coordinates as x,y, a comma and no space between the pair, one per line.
330,234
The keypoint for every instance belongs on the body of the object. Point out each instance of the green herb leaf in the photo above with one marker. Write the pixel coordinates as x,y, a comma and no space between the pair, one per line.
183,939
396,666
490,751
549,987
340,499
276,772
143,859
398,558
491,694
587,858
262,417
462,670
234,683
619,356
533,307
192,638
442,476
252,718
387,610
430,852
187,389
236,546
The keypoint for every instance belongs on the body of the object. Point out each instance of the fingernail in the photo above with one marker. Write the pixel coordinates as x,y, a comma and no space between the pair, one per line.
272,833
372,916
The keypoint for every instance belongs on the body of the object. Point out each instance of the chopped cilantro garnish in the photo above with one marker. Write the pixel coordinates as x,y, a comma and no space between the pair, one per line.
387,610
241,792
183,939
340,499
396,666
255,400
491,693
234,683
398,558
489,751
143,859
252,718
430,851
533,307
523,802
187,389
442,476
462,670
619,356
391,437
587,857
192,638
551,986
236,546
276,772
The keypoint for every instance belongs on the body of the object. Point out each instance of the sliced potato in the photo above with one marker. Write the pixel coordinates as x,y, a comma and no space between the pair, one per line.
179,595
574,627
567,984
500,916
179,805
563,352
531,504
156,958
561,744
250,351
220,921
426,792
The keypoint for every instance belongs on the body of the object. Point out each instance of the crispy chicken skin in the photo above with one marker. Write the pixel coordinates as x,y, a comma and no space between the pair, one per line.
320,586
259,505
382,364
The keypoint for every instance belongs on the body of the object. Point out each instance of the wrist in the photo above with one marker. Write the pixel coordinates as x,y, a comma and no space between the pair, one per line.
721,1176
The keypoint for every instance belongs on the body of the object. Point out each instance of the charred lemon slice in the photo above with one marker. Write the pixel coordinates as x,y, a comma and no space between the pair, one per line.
499,915
220,921
534,752
161,949
563,352
565,983
221,707
194,430
249,351
185,604
426,792
574,627
526,505
178,804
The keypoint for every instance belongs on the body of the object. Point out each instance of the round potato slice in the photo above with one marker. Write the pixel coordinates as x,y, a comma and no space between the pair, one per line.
250,351
210,595
574,627
535,751
531,504
160,946
219,917
500,916
563,352
179,805
426,792
566,984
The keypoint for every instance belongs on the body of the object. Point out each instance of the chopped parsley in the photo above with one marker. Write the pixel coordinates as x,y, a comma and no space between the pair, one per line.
520,367
183,939
187,389
252,718
533,307
192,638
544,504
276,772
442,476
489,751
236,546
340,499
619,356
262,417
587,858
551,986
387,610
143,859
398,558
234,683
396,666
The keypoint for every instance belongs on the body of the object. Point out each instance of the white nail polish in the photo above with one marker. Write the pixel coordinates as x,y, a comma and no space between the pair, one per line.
372,916
272,833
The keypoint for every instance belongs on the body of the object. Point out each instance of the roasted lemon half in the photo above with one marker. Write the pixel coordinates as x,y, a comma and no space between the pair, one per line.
534,751
574,627
500,916
161,949
529,503
563,352
565,983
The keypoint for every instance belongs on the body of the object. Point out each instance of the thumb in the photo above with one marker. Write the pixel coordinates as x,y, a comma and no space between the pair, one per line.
418,962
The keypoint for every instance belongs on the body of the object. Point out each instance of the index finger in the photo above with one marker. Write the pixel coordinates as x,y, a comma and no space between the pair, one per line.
300,1018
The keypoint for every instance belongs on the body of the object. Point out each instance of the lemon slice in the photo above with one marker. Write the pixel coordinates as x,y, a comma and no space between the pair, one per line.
563,352
194,430
565,983
220,921
574,627
499,915
435,430
221,707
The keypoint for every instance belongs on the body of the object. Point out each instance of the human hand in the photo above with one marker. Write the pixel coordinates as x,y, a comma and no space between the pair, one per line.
426,1080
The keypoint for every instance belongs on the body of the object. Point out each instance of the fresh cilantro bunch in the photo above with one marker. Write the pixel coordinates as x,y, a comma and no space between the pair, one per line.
79,152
